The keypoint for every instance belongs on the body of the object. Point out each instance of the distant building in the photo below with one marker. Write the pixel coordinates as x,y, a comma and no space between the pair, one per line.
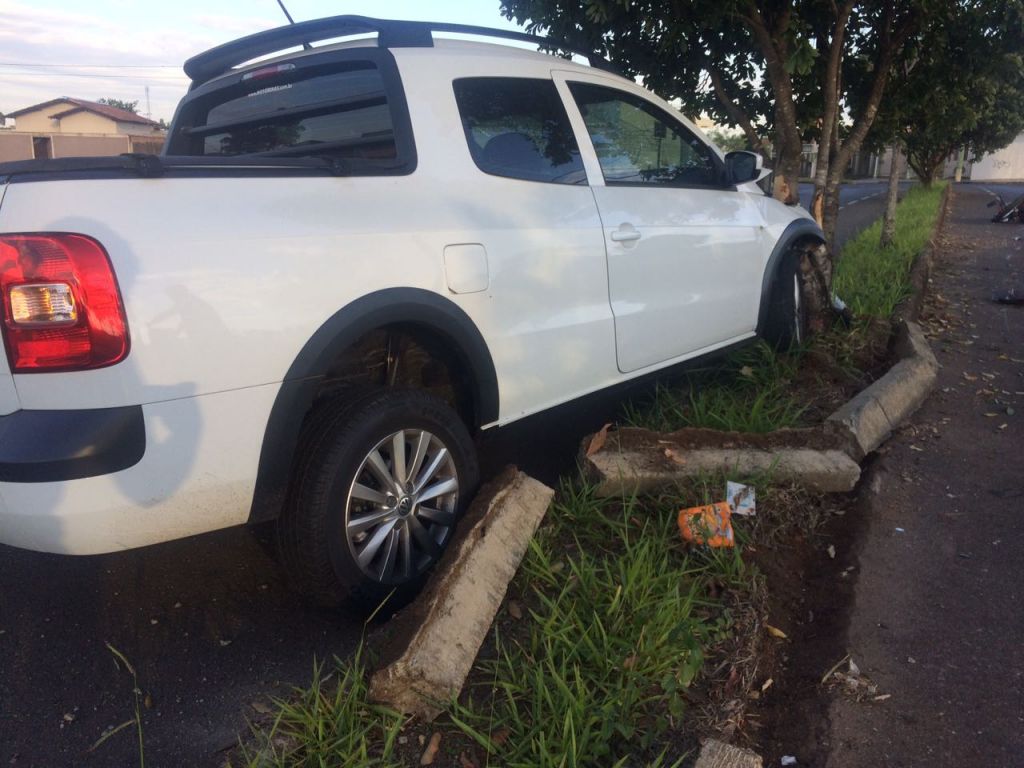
67,127
1005,165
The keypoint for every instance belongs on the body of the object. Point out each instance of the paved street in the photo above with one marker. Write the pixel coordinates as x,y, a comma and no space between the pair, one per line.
207,621
936,615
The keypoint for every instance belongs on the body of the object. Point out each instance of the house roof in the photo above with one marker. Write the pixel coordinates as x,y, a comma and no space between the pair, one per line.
81,105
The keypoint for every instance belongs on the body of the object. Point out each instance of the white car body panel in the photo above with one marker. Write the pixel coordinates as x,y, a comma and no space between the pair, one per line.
225,279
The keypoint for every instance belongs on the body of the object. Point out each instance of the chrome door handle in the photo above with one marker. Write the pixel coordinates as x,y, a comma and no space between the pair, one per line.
625,234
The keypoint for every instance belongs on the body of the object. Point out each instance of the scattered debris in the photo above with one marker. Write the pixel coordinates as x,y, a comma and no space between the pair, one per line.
515,610
674,457
852,681
598,440
430,753
709,524
776,632
788,760
742,499
832,551
500,736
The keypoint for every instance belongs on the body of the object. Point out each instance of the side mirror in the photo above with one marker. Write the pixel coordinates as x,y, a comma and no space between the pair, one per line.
741,167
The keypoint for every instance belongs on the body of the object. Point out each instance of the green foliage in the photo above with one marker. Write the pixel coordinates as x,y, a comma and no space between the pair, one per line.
960,84
669,46
729,141
873,280
748,392
620,620
127,106
329,723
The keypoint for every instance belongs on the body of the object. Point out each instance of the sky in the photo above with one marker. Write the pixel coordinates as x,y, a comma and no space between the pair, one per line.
115,48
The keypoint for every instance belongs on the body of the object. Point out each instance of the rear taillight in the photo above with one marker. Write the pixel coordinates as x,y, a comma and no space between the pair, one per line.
62,306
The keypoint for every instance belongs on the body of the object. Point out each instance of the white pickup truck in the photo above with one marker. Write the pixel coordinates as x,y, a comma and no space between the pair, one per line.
347,261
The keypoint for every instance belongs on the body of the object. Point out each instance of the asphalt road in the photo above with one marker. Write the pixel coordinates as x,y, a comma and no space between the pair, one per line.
938,541
206,621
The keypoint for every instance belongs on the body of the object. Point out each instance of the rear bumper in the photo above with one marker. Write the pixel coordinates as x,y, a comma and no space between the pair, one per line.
102,481
53,446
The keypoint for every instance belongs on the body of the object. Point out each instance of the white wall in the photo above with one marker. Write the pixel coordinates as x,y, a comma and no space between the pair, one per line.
1006,164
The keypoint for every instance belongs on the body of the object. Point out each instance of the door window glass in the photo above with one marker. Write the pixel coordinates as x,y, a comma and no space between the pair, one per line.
638,143
518,128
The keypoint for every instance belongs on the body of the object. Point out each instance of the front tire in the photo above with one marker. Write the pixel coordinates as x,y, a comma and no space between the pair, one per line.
787,313
378,489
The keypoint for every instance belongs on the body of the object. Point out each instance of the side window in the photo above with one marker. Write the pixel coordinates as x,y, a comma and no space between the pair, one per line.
638,143
518,128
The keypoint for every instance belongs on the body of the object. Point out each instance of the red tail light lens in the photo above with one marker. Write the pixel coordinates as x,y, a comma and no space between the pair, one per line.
62,307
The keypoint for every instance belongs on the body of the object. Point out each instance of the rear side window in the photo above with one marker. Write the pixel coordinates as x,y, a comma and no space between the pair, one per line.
518,128
336,109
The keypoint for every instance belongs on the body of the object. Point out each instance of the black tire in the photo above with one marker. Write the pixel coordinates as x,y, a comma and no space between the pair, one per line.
786,323
335,450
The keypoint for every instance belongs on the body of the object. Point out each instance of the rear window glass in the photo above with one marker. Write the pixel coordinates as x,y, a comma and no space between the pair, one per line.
518,128
338,110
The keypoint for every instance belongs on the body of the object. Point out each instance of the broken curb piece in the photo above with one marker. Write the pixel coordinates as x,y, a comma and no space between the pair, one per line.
718,754
625,472
871,416
436,639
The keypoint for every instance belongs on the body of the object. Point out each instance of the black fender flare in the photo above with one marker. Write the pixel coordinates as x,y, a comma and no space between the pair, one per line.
299,387
799,229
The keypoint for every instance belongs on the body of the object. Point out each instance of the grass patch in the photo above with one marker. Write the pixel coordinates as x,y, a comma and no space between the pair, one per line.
872,280
612,663
621,620
330,723
761,390
748,392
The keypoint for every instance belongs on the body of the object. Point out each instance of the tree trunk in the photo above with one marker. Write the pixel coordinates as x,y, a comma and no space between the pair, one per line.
889,220
787,173
960,157
926,167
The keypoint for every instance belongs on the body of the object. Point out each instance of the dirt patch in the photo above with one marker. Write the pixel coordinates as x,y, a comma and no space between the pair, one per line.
809,596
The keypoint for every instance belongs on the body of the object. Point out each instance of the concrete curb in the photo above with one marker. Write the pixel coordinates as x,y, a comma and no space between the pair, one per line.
436,639
871,416
851,433
626,472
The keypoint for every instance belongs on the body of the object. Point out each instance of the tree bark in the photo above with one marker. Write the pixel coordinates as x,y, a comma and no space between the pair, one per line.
787,132
927,166
830,118
889,220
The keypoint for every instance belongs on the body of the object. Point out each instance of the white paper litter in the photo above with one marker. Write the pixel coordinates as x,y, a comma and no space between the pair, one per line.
742,499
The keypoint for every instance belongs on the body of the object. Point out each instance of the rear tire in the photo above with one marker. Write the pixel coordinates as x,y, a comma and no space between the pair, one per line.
379,486
786,325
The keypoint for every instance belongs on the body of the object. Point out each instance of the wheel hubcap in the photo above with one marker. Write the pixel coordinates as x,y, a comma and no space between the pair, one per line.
401,506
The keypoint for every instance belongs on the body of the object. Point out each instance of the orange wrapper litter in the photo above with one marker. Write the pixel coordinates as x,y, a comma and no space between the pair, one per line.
709,525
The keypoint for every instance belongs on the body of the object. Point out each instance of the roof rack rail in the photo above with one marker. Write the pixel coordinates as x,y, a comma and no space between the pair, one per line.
390,34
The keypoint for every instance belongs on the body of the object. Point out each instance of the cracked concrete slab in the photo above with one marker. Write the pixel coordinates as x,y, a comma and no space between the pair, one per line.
434,641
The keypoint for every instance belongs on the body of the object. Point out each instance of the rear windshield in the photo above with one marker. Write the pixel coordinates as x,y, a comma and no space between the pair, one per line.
337,110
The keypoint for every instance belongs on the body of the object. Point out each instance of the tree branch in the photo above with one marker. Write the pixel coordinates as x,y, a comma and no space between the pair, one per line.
736,114
890,43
